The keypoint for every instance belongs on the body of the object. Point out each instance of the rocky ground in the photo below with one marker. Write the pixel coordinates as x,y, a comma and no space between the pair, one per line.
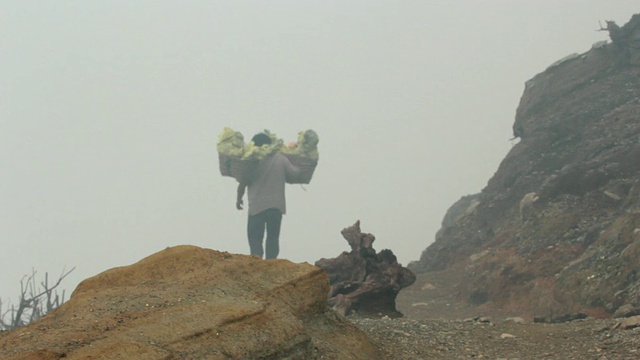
436,326
406,338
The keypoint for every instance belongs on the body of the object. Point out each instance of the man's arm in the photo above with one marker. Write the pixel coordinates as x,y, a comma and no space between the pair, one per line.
239,202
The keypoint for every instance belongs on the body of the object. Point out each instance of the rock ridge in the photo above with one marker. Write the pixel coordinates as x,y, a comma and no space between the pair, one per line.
576,247
187,302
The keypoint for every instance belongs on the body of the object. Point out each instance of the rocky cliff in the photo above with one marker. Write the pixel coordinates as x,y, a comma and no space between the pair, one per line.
192,303
557,228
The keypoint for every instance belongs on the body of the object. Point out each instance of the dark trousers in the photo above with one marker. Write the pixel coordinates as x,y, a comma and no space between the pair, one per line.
271,219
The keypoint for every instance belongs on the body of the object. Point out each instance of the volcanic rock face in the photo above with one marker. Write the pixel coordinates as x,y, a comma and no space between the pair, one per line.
577,246
192,303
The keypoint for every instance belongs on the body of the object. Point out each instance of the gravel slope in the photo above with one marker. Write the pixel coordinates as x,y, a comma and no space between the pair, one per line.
437,325
457,339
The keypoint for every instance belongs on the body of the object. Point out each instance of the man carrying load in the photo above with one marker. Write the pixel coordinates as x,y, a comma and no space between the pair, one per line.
266,195
264,166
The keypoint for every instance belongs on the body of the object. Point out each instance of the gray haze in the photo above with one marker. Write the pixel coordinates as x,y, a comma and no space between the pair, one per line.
110,111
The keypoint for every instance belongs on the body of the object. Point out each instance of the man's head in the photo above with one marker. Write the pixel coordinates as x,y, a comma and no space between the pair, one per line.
261,139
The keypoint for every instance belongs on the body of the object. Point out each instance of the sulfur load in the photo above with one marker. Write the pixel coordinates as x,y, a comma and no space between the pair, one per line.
238,160
231,143
307,145
253,152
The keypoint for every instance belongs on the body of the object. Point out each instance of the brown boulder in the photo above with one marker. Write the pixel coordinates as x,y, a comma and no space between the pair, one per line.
188,302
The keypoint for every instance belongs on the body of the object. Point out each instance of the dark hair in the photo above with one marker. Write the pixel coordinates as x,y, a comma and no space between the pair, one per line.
261,139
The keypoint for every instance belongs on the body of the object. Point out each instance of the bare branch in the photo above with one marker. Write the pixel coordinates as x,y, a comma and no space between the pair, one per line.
602,28
32,303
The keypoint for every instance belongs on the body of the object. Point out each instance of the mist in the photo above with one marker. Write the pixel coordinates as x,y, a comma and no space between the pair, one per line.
110,112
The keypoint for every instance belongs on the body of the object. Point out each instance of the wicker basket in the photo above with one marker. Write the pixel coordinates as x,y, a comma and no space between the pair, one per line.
241,170
307,167
225,164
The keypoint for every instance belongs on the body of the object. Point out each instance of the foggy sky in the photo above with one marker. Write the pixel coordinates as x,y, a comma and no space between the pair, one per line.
110,112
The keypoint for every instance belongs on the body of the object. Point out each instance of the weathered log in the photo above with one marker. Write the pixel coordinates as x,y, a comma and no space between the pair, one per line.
363,280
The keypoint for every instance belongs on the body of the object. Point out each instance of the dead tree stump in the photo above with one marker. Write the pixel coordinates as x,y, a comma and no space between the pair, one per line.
363,280
626,39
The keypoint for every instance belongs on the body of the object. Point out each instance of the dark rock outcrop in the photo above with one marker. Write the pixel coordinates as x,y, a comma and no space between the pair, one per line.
363,280
187,302
578,248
